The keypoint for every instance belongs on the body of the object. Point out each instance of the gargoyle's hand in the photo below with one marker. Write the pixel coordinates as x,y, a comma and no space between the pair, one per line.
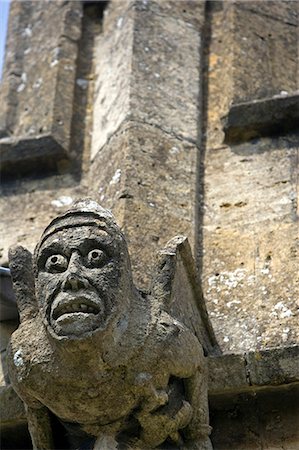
20,264
161,425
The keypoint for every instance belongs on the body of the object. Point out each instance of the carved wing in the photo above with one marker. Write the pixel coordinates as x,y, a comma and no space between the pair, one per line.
176,288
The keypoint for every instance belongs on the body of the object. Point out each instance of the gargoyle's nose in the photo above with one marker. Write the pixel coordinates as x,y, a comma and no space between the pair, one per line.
74,280
74,283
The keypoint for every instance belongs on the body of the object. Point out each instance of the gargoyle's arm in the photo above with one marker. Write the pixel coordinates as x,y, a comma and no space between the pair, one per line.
20,263
182,351
40,428
198,429
190,364
185,360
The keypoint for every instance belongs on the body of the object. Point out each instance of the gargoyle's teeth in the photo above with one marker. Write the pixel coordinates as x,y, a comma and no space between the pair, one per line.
73,308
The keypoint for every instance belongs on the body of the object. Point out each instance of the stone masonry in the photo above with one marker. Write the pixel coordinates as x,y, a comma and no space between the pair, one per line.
182,118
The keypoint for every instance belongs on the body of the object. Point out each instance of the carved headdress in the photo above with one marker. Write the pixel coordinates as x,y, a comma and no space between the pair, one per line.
83,212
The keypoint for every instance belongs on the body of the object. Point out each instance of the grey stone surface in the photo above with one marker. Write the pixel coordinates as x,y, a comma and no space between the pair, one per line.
250,229
227,373
265,49
270,116
251,284
145,61
150,184
252,61
12,409
248,248
143,372
40,64
145,132
275,367
266,419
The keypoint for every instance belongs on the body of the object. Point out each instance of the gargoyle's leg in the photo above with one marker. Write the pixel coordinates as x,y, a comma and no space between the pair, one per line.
40,428
197,394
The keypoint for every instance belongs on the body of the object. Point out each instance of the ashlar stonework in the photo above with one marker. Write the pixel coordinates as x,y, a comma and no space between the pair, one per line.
95,355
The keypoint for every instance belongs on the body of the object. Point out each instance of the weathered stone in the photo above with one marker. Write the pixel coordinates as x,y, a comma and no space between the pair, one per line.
270,116
151,115
30,202
142,60
40,63
227,373
276,367
237,263
175,263
251,244
265,58
273,367
12,409
254,420
250,230
150,186
218,72
253,399
252,70
6,329
144,371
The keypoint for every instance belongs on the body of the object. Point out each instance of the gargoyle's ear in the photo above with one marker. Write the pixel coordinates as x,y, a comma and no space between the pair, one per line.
176,290
21,268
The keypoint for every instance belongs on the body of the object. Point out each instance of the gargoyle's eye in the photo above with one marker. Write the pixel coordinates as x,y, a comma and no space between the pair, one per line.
56,263
96,257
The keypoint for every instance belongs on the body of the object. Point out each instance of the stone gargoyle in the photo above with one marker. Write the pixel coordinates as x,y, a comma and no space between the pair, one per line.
98,363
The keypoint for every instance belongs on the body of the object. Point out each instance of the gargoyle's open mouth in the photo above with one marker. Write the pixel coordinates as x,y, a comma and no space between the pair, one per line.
75,313
76,306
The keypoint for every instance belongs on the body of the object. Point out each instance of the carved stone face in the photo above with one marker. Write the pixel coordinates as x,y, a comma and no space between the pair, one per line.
79,282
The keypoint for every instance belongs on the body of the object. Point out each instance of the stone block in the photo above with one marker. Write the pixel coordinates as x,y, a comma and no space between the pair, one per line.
149,183
269,116
252,72
38,83
265,369
113,56
145,61
227,373
265,49
265,98
148,59
166,73
250,238
254,420
190,11
274,366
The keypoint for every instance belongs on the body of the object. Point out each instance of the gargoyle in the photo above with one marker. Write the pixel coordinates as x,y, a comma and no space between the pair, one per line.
94,356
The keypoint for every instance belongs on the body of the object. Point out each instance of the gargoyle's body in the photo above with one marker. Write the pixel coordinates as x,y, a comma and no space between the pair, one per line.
97,353
79,387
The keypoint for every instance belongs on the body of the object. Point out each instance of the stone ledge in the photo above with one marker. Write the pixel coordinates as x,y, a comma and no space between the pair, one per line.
249,120
253,370
24,151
